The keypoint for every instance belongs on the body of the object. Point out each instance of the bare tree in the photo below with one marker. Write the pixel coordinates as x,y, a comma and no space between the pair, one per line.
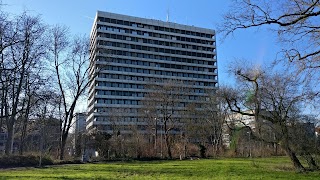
204,125
295,22
273,100
304,139
71,67
35,93
214,121
166,101
20,56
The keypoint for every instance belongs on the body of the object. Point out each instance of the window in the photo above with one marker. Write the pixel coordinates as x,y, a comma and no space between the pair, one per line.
133,102
144,48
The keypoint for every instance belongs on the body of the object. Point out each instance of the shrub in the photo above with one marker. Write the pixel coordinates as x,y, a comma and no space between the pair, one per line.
23,161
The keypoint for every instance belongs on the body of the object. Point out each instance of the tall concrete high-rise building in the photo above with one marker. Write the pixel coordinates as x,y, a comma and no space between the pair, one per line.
127,53
79,120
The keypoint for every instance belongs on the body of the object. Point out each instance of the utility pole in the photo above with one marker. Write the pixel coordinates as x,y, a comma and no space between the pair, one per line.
161,139
155,135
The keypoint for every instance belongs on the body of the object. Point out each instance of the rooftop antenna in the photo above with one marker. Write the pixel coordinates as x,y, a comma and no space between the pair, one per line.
168,13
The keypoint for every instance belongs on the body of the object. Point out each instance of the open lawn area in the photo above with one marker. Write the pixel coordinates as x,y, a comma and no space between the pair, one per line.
232,168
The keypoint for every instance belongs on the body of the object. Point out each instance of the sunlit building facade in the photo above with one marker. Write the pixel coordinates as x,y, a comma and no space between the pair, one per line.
129,52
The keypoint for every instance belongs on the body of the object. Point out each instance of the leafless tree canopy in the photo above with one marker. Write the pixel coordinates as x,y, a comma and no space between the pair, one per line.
161,102
275,97
275,101
296,23
38,64
70,64
22,50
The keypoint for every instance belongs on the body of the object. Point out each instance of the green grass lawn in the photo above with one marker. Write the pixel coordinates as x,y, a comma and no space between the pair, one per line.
257,168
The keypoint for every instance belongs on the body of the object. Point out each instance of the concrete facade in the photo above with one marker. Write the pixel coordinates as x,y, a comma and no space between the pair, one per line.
80,122
128,53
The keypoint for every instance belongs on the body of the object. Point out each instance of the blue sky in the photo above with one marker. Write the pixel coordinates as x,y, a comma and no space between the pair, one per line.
256,45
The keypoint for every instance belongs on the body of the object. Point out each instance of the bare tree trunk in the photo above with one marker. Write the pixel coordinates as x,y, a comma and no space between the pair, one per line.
167,139
168,143
9,142
63,145
12,119
311,162
23,136
292,155
24,126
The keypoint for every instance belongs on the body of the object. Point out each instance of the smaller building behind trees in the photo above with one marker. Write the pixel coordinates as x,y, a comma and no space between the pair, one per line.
42,135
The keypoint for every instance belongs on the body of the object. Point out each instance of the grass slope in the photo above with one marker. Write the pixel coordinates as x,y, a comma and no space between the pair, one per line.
262,168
